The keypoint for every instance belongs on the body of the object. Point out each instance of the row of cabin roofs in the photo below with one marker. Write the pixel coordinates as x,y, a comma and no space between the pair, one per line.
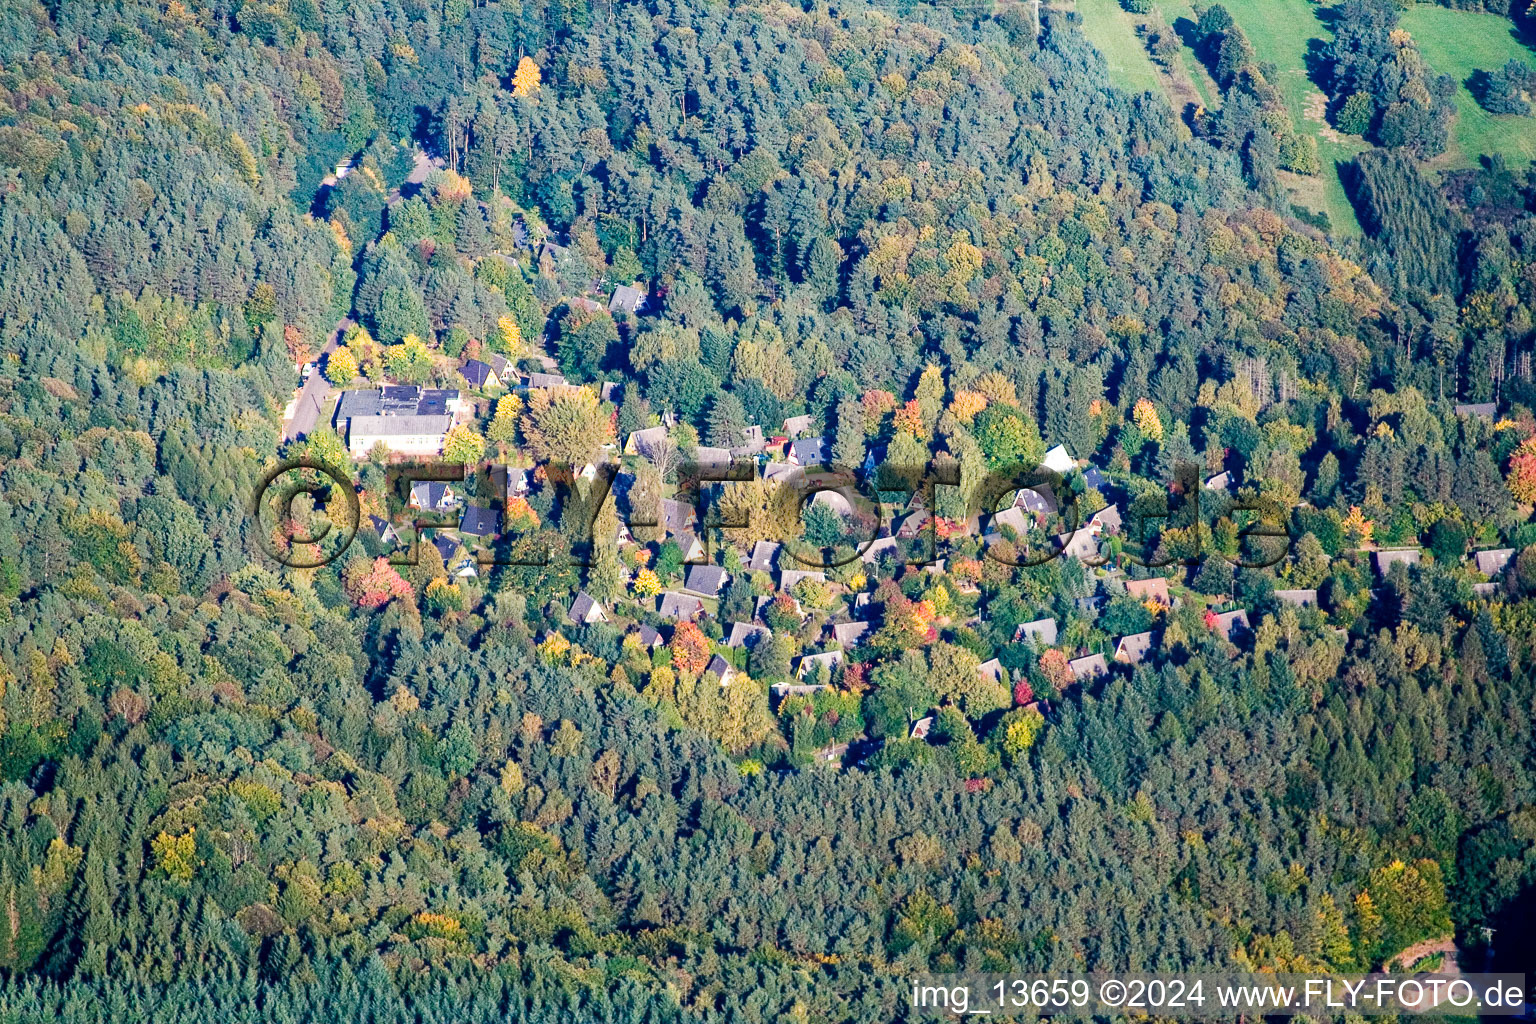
1129,650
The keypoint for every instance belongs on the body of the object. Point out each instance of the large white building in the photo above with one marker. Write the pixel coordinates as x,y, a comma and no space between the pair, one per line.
406,419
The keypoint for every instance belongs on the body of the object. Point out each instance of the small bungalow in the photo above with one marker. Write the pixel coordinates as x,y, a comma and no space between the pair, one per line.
433,496
1300,598
546,381
586,610
922,727
1154,589
644,442
479,375
1038,500
680,607
650,638
480,522
1491,563
809,451
794,426
721,668
1232,625
747,634
1041,631
849,634
627,298
812,664
1481,410
790,577
879,547
764,554
993,671
1089,668
1105,520
1385,560
1058,460
1014,518
1133,649
706,580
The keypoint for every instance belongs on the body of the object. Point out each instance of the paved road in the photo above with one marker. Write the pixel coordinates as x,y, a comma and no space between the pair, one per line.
307,411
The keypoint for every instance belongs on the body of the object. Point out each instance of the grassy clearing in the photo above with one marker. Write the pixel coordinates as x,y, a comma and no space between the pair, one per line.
1457,43
1112,31
1279,31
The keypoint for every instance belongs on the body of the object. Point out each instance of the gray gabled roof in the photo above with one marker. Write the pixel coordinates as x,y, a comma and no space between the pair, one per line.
546,380
1493,561
1042,630
627,298
810,451
720,667
1229,624
1385,560
790,577
476,372
649,636
764,553
398,426
1089,667
583,608
993,670
480,522
1484,409
1132,649
879,547
680,606
849,634
706,580
1301,598
1039,499
747,634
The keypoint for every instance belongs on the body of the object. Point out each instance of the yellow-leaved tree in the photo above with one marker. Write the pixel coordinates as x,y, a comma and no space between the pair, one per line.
525,80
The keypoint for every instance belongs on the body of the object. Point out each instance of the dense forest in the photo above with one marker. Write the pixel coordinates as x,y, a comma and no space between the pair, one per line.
238,790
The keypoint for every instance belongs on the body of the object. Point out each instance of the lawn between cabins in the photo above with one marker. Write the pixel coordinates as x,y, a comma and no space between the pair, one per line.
1455,43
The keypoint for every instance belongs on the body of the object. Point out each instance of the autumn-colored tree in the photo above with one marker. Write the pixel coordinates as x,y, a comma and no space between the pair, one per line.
966,404
754,510
646,583
526,79
876,404
409,361
519,516
341,367
565,426
929,393
690,648
1144,413
1357,529
907,625
1522,472
503,427
511,337
1054,665
374,584
463,445
177,855
909,419
555,648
